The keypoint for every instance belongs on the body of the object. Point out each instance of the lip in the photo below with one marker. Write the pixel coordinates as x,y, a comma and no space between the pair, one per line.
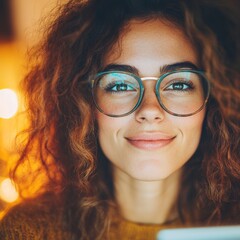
150,141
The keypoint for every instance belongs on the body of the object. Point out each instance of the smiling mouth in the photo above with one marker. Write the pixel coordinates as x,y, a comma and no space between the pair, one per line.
150,144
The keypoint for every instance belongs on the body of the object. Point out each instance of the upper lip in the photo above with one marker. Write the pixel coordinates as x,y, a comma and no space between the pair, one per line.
150,136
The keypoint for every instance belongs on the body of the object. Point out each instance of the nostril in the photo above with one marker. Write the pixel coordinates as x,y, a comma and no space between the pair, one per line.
150,112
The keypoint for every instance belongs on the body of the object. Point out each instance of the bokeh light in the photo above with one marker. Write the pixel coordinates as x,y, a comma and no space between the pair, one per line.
8,192
8,103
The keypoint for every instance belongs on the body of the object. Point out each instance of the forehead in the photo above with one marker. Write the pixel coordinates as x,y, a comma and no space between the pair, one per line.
149,42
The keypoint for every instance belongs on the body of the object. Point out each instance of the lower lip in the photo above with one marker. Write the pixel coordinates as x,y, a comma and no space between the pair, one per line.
150,145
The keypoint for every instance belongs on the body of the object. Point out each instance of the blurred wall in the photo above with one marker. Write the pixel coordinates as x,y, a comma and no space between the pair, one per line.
27,15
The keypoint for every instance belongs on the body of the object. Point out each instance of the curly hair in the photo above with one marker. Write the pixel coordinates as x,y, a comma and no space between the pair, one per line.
61,152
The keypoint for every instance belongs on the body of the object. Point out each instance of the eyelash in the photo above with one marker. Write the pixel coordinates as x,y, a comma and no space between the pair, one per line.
110,86
188,83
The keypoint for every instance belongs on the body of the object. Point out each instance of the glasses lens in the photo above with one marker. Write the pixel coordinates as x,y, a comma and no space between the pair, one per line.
183,93
115,93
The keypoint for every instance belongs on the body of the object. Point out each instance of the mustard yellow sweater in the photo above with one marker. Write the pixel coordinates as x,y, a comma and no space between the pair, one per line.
36,221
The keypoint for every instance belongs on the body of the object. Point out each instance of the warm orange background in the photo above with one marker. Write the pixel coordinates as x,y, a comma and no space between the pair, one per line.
26,18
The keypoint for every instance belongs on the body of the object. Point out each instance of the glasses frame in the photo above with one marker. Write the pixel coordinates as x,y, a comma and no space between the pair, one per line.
157,93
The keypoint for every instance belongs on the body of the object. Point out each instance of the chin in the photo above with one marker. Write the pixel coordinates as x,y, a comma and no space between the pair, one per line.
152,173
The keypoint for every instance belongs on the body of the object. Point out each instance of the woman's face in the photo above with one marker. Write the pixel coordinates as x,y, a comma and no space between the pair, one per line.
150,144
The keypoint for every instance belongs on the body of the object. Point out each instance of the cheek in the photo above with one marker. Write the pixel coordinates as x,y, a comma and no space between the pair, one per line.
109,131
111,137
190,130
107,125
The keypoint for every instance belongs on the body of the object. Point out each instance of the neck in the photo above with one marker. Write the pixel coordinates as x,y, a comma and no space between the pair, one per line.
147,201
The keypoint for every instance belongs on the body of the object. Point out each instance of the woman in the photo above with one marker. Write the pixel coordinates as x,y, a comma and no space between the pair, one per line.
134,114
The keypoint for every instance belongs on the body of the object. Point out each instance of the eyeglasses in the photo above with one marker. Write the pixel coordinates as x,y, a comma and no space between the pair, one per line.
181,93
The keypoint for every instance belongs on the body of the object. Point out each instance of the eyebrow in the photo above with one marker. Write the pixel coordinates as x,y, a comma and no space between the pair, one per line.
121,67
163,69
178,65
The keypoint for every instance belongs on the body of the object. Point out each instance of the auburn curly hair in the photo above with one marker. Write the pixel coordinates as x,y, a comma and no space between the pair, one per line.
61,152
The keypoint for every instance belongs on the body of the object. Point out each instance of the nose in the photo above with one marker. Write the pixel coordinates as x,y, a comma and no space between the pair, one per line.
150,110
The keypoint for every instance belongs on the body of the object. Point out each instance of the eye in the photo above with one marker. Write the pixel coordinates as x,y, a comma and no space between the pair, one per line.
180,86
120,84
120,87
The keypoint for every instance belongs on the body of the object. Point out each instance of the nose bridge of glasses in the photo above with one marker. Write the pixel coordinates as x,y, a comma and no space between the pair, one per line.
149,78
149,107
152,90
150,96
